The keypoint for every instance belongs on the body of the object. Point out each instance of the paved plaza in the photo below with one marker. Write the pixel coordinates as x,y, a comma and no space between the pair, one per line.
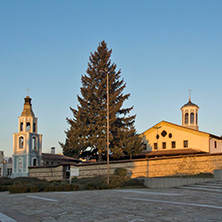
193,203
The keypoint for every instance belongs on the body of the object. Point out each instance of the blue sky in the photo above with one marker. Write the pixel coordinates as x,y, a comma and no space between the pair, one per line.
163,47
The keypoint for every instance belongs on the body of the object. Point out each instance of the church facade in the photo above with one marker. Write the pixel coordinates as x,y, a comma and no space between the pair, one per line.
166,136
27,143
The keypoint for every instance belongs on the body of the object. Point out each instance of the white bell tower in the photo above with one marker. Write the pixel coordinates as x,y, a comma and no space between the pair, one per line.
190,114
27,143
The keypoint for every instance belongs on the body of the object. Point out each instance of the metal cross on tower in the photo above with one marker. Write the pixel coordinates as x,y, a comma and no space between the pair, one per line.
28,91
190,94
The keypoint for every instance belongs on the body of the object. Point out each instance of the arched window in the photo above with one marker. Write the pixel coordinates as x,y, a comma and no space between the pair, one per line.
21,142
196,118
192,118
27,126
34,162
34,127
34,143
186,117
21,126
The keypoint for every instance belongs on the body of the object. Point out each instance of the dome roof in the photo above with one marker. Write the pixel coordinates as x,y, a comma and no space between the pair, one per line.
190,104
27,109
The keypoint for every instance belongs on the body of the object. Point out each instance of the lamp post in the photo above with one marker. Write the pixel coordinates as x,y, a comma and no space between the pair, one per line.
107,130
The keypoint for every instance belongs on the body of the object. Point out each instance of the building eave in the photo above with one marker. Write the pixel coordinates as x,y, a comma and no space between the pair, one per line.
193,131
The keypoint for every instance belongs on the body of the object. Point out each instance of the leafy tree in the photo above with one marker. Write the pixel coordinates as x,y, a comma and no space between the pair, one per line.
89,122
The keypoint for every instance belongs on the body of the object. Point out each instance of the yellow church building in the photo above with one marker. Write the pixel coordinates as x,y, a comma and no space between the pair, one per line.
166,137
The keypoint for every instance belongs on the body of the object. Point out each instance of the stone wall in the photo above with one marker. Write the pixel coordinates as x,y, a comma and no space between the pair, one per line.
156,167
185,165
48,173
94,169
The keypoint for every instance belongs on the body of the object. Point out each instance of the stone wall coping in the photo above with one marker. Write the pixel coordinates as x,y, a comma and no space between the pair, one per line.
46,166
125,161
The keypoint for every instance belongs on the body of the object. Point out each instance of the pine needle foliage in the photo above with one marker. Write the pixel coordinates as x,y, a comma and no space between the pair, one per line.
89,122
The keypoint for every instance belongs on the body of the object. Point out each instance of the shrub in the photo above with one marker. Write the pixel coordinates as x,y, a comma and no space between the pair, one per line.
90,186
3,188
74,179
49,188
58,187
70,187
28,180
64,182
23,185
5,181
34,189
96,183
204,175
120,172
116,181
134,182
18,189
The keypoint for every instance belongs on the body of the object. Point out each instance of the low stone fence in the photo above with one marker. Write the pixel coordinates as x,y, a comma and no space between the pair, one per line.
152,167
155,167
134,168
47,172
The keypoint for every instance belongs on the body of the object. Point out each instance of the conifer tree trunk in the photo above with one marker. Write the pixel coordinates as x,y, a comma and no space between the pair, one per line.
100,156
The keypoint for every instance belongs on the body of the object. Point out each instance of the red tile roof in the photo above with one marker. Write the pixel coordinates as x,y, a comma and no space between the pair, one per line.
57,157
172,152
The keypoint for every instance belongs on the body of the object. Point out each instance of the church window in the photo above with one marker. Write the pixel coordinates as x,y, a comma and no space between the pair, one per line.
192,118
9,171
34,127
164,145
196,118
157,136
34,162
215,144
185,143
21,142
21,126
186,117
155,146
27,126
164,133
170,135
34,143
173,144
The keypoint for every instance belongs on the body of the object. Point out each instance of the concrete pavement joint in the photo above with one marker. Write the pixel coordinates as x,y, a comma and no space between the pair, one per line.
5,218
172,202
150,193
42,198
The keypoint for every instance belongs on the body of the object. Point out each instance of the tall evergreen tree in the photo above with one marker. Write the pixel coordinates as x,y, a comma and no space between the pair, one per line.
132,142
89,122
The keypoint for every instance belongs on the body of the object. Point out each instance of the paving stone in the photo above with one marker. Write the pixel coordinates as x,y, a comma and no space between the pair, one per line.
114,205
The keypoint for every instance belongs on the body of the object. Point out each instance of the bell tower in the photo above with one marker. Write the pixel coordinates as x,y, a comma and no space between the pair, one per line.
190,114
27,143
